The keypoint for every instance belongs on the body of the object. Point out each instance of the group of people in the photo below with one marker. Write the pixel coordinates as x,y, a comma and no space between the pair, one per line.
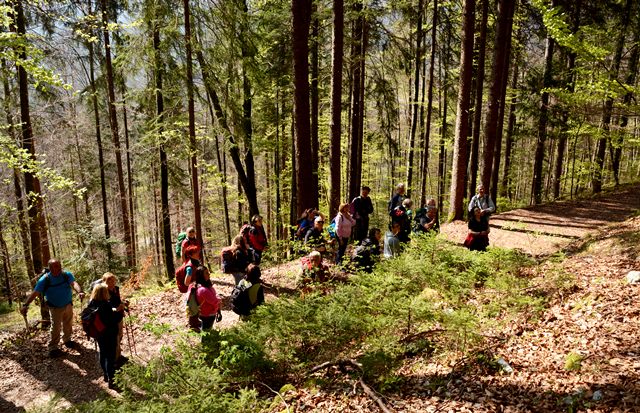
55,287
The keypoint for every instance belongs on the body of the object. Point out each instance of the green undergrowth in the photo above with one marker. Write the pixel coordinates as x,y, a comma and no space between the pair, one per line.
379,320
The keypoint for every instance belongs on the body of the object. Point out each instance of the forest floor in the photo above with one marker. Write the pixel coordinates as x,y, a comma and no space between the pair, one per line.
596,323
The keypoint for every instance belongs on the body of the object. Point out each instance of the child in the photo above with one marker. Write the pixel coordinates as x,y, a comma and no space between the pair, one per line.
207,299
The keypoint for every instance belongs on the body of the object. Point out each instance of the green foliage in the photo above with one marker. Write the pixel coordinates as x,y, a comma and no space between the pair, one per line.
573,362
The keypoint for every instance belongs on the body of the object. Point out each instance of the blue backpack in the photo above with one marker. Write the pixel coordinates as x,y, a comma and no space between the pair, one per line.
332,229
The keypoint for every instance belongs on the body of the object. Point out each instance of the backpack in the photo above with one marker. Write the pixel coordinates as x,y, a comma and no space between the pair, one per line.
332,229
240,302
192,305
228,260
181,237
420,213
181,274
92,324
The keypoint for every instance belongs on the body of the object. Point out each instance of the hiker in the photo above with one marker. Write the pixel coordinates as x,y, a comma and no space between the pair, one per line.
361,208
207,299
368,252
313,271
120,306
55,286
344,224
108,341
252,284
483,201
478,237
314,238
191,246
397,198
305,222
235,258
402,215
257,238
392,246
427,219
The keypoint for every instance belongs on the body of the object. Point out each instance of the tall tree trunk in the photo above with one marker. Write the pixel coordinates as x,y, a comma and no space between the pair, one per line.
415,113
608,105
103,181
616,145
456,208
536,190
336,104
357,110
315,96
506,177
301,11
427,128
248,184
113,122
195,186
129,175
477,112
442,153
164,166
500,64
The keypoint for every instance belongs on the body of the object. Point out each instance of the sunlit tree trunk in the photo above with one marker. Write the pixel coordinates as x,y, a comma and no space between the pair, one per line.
336,104
415,105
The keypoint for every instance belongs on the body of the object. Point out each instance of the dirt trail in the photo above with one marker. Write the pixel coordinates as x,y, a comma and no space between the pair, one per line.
29,379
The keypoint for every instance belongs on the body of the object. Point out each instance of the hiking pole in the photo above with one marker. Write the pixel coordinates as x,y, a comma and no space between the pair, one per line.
130,336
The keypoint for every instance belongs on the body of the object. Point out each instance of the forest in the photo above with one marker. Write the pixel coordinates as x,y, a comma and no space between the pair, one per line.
126,122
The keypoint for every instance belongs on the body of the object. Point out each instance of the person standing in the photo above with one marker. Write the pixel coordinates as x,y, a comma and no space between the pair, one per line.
108,341
257,238
208,300
55,286
397,198
483,201
344,224
362,207
191,247
402,215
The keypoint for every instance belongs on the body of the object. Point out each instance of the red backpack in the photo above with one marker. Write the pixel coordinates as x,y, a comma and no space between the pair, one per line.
181,274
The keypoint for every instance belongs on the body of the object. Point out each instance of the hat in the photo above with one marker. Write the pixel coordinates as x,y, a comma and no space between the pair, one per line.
319,219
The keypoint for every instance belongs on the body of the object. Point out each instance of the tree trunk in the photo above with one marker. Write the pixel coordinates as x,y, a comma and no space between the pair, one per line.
357,110
103,181
247,184
6,267
315,97
301,11
477,112
536,190
427,128
456,207
195,186
608,106
129,176
506,177
164,166
415,113
500,64
113,122
336,104
442,153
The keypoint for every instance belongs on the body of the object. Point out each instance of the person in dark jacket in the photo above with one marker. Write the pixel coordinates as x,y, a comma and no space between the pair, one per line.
116,302
427,219
314,238
368,252
402,215
109,340
397,198
253,283
478,237
362,207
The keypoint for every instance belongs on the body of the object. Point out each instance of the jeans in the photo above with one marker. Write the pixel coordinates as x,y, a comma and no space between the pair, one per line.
342,247
107,345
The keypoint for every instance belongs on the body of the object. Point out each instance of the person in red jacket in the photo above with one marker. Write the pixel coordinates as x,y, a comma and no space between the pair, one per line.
191,246
257,238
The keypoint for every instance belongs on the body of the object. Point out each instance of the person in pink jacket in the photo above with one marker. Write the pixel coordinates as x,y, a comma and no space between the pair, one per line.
207,299
344,223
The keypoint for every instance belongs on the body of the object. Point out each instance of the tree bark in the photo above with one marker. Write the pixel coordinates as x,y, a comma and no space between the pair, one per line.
164,165
357,109
506,177
596,182
415,105
477,112
500,64
336,104
195,186
315,96
129,176
427,128
456,207
115,134
301,11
